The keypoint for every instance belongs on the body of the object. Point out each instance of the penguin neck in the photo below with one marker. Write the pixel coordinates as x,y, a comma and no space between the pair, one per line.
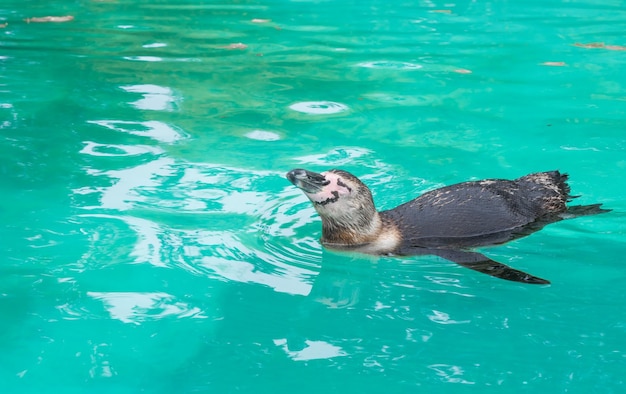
351,234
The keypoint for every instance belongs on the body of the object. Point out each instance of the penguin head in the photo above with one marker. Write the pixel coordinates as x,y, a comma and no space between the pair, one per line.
339,197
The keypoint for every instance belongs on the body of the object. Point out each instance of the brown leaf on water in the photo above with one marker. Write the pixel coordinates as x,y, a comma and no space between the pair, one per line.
54,19
590,45
601,45
615,48
553,64
3,25
462,71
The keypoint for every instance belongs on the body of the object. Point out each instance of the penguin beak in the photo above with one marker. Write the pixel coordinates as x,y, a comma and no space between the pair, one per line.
308,181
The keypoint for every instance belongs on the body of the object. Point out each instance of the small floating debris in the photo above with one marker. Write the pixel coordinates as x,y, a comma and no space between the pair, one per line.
237,45
257,20
462,71
590,45
319,107
3,25
53,19
553,64
600,45
615,47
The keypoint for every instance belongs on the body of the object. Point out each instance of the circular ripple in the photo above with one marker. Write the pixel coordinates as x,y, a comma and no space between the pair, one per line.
96,149
319,107
390,65
262,135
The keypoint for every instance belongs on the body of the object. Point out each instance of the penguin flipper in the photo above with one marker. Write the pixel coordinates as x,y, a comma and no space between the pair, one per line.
481,263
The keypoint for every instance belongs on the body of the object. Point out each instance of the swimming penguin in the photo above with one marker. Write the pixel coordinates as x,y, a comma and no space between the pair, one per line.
446,222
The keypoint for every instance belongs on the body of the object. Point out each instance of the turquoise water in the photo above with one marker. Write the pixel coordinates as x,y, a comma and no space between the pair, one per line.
150,243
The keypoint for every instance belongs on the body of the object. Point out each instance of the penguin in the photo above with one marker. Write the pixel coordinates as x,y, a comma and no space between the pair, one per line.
447,222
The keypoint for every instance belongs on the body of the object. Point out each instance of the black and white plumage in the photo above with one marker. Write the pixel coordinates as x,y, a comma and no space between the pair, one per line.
447,222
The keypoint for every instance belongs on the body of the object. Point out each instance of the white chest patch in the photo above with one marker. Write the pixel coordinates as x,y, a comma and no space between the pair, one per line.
387,242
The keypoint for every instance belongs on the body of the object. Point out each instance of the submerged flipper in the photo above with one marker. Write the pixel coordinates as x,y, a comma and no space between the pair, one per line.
481,263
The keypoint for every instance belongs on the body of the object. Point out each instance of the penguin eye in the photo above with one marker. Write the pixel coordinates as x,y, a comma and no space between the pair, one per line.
318,179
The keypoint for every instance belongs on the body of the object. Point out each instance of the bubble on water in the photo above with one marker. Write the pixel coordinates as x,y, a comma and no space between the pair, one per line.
390,65
319,107
262,135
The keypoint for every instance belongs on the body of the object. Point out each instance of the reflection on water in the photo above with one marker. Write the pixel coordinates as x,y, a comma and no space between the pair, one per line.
124,193
95,149
450,373
138,307
444,318
233,220
159,131
313,350
155,98
230,251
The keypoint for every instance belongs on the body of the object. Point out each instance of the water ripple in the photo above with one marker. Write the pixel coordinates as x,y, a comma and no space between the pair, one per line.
390,65
131,307
313,350
262,135
319,107
155,98
154,129
112,150
209,220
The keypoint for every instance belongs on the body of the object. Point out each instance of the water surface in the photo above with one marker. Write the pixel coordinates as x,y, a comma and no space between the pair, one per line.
150,242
